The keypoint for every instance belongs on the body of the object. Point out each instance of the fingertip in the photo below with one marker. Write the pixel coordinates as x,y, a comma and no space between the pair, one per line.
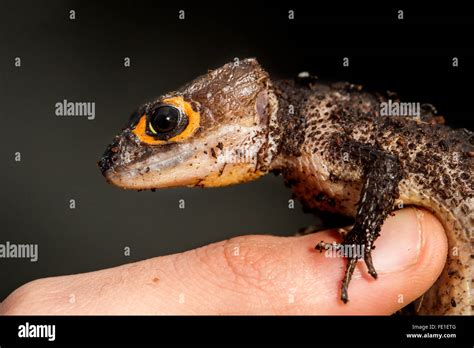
409,255
260,274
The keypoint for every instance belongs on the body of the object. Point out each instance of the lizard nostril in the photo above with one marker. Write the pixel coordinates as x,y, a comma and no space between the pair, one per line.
109,157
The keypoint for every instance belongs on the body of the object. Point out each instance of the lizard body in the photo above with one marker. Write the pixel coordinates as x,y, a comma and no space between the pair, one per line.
332,146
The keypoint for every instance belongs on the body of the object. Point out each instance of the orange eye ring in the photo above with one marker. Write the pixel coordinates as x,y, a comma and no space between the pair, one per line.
194,119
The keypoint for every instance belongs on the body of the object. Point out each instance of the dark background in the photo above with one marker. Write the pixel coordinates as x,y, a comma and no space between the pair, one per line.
82,60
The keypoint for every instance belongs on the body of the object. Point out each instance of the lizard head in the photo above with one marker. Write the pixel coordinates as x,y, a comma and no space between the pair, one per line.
211,132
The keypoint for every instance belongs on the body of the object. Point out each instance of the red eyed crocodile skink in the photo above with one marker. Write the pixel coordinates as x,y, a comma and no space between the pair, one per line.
331,143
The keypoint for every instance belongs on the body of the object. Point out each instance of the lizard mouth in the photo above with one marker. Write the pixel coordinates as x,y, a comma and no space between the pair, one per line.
126,157
203,162
151,172
128,165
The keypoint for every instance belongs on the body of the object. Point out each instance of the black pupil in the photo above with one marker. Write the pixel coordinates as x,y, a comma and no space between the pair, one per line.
164,119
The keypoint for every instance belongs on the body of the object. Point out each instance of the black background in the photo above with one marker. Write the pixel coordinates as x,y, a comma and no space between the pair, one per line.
319,331
82,60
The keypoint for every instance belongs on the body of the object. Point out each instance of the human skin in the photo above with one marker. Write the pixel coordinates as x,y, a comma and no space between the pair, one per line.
254,274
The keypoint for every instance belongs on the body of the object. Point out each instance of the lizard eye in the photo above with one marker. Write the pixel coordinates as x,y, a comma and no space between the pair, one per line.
165,122
173,120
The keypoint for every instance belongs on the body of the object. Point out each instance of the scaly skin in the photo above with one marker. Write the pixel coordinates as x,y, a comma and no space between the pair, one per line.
435,161
334,149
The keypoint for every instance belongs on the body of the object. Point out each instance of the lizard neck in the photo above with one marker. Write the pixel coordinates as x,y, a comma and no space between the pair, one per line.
289,118
305,129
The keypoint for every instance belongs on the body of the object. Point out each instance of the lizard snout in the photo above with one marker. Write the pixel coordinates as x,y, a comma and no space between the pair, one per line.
125,159
120,152
110,156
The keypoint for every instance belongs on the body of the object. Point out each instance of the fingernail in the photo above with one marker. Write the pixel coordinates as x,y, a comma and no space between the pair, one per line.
400,241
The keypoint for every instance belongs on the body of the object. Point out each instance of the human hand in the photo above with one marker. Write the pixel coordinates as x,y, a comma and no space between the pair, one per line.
253,275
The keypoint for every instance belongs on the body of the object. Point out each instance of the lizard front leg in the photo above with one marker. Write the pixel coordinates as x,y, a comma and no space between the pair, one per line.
382,174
